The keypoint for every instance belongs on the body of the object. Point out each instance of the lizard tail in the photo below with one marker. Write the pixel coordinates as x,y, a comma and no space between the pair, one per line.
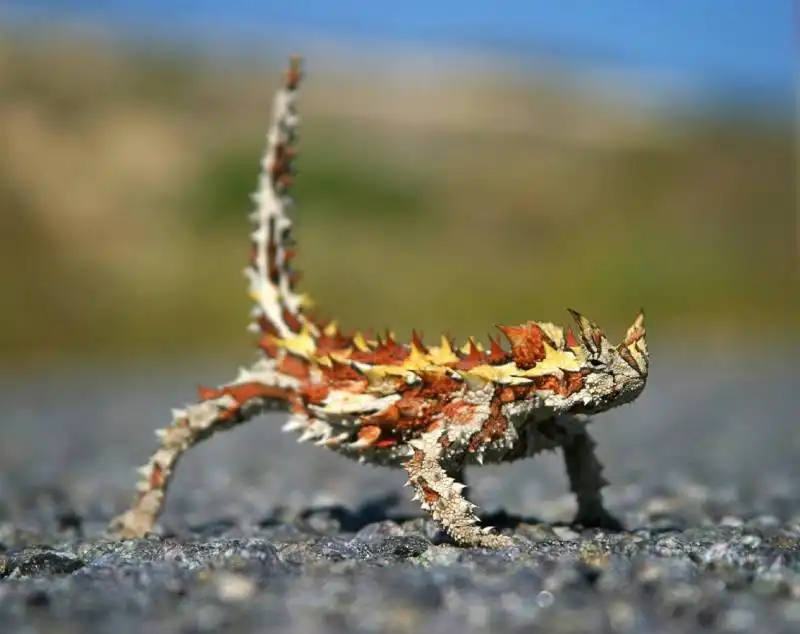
278,313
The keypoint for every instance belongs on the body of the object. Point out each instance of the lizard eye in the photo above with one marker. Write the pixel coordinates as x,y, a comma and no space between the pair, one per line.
596,363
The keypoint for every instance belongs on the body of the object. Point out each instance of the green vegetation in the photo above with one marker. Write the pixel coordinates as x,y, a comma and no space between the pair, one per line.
331,184
124,183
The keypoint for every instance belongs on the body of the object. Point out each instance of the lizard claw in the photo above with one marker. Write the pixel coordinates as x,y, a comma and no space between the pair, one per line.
598,518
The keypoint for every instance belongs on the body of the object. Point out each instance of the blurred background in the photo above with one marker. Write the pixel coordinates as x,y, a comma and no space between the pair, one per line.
462,165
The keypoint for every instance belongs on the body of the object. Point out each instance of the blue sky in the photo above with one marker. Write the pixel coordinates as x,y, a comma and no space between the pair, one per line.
742,47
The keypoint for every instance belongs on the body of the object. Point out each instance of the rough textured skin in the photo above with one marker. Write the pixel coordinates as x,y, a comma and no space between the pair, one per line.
430,410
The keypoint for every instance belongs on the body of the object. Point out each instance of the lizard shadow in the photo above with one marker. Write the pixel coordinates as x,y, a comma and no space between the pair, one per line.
382,508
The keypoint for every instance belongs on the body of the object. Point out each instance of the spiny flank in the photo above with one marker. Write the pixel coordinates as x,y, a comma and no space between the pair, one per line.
430,410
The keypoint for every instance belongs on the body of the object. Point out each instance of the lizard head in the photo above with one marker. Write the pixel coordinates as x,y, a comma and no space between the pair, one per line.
613,374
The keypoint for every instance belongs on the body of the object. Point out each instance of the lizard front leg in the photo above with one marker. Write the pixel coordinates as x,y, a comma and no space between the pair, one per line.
220,410
443,498
585,473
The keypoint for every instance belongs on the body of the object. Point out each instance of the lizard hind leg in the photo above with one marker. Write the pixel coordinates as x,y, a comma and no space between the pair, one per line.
216,410
442,496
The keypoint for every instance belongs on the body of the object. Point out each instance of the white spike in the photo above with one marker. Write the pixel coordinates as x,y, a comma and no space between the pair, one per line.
360,367
339,438
259,235
294,424
308,434
243,375
144,470
178,414
479,458
160,433
411,378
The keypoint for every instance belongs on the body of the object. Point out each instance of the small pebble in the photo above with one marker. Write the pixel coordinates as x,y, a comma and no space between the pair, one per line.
234,587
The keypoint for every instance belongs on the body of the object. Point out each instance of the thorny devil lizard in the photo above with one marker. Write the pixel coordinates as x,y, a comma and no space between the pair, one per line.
430,410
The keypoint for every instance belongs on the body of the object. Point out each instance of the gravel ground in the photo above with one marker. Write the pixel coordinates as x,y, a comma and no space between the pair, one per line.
263,535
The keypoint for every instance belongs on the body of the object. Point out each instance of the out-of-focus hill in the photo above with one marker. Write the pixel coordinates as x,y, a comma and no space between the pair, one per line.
441,200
